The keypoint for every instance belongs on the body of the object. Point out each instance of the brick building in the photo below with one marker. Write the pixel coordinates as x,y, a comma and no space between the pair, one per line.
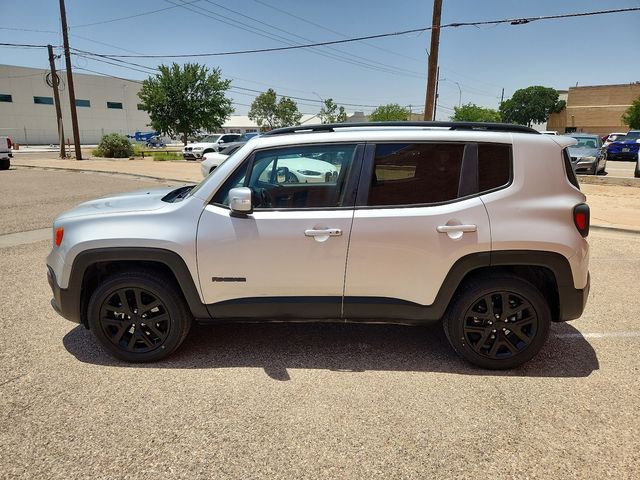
596,109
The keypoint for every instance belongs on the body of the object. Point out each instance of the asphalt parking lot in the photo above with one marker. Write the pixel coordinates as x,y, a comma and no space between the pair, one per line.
305,401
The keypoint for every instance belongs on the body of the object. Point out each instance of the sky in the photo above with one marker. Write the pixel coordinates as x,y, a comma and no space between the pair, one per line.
476,62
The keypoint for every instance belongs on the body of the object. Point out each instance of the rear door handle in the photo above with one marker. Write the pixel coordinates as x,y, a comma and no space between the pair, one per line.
456,228
328,232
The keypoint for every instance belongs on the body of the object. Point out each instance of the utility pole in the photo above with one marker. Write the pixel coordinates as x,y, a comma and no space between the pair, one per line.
432,75
502,96
55,81
435,102
72,94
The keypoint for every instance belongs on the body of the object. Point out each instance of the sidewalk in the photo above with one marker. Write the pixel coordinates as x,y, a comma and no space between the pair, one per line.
612,206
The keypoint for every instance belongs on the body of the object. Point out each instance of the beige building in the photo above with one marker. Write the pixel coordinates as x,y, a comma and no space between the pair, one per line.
595,109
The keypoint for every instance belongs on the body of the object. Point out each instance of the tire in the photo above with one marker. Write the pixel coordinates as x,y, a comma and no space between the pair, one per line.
5,163
124,329
516,338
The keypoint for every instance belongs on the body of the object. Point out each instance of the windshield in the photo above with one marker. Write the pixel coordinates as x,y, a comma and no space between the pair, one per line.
632,135
586,142
211,138
246,136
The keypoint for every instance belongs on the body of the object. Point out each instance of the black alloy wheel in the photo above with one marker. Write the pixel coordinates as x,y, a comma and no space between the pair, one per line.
500,325
138,316
135,320
498,322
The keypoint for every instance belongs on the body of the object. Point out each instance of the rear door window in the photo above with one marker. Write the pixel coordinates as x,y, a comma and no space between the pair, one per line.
415,173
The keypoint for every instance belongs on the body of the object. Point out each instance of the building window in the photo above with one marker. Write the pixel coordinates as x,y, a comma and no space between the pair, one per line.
5,97
141,107
82,103
43,100
117,105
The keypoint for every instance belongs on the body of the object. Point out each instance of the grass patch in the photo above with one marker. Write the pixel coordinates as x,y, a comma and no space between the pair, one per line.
163,156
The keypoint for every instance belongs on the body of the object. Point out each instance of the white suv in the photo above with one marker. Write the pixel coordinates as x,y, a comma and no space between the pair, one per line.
210,143
482,226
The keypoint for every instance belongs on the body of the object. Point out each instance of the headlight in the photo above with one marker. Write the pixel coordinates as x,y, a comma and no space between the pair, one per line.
586,159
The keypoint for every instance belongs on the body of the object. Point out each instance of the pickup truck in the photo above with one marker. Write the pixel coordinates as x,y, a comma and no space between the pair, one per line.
5,153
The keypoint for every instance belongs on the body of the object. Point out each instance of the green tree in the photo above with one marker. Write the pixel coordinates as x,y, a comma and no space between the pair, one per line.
632,116
267,111
331,113
185,100
474,113
389,112
531,105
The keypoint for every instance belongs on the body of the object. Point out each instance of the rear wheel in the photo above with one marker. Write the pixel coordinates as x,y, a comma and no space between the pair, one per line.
138,317
498,322
5,163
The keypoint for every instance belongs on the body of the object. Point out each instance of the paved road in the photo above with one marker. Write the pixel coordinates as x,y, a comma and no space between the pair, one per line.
312,401
616,168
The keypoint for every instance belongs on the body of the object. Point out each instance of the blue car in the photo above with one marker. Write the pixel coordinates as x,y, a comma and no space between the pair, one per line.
626,148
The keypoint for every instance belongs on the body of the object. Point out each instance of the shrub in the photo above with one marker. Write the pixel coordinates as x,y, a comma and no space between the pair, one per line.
114,145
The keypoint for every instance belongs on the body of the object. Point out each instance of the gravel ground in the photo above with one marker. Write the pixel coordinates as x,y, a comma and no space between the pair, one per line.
316,401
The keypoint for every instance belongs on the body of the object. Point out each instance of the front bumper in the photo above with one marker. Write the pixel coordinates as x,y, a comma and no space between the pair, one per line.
620,155
65,303
192,155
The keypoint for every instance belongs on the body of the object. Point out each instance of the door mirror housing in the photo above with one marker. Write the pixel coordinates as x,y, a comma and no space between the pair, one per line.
240,201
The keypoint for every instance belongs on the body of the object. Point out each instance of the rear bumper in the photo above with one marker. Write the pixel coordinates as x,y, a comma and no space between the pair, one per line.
63,302
573,300
622,155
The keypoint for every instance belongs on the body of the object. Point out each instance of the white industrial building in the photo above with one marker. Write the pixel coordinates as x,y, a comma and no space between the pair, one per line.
104,105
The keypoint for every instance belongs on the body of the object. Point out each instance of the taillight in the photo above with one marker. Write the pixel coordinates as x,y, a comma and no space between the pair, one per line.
9,143
581,218
59,235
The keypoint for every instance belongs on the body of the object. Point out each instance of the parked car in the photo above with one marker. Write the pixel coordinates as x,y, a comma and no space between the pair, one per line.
636,172
612,137
480,225
626,148
241,140
211,143
212,160
587,155
5,153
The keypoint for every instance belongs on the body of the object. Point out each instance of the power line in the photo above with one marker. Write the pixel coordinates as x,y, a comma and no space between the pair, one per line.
512,21
22,45
141,14
218,17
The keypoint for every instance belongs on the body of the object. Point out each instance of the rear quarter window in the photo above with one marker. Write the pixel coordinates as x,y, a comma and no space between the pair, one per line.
494,166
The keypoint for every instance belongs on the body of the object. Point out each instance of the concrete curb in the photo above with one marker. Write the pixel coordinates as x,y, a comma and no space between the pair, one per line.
109,172
620,181
615,229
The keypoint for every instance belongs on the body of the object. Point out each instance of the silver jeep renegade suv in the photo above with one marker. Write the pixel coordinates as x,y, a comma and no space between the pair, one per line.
481,226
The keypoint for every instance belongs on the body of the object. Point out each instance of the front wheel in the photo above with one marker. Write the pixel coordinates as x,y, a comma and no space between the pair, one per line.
498,322
138,316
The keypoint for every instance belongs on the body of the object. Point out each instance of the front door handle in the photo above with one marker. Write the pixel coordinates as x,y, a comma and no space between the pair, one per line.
327,232
456,228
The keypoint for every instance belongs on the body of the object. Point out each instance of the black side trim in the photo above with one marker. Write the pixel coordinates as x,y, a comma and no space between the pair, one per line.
315,308
71,298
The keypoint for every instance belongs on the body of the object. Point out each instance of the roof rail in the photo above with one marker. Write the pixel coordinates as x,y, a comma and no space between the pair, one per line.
480,126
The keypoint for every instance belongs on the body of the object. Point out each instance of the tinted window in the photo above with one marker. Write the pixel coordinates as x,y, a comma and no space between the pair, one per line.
494,165
295,177
4,97
43,100
116,105
406,174
82,103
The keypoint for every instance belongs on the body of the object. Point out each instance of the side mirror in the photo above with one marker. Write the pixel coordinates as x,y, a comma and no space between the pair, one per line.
240,201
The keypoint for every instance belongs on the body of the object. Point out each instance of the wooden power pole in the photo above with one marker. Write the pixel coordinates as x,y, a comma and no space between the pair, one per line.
72,94
55,81
432,75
